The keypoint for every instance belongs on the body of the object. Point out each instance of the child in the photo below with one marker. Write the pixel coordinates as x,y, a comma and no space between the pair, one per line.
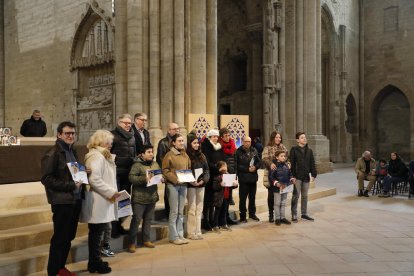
221,199
382,169
279,178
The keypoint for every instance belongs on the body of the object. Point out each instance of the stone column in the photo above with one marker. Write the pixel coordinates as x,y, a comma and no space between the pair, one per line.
134,55
299,14
120,43
154,72
2,65
145,58
179,65
212,58
167,62
198,56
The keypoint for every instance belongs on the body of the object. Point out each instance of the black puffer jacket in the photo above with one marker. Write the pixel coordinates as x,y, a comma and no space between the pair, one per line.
199,161
33,128
56,176
123,147
302,163
243,159
397,168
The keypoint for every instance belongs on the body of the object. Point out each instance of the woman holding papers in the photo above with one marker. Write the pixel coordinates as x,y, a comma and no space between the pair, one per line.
144,195
177,160
103,192
195,191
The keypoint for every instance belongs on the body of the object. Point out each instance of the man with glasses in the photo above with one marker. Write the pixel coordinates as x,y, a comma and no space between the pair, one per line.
123,146
142,136
162,149
64,195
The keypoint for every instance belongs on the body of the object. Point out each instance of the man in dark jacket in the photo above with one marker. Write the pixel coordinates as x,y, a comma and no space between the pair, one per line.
34,127
248,162
123,146
141,135
302,164
63,194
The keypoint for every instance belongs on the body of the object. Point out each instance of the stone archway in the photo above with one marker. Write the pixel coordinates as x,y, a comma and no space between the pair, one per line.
392,128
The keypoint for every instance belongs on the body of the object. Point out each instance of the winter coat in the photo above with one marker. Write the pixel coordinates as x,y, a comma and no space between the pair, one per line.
33,128
56,176
281,174
138,139
163,148
175,160
360,166
123,146
381,171
243,158
142,194
213,156
397,168
302,163
268,155
97,207
218,190
229,150
199,161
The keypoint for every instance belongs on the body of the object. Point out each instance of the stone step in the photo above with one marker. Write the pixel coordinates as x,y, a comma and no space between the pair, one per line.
24,217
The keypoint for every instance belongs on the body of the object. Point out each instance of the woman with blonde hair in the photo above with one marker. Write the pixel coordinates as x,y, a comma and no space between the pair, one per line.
102,195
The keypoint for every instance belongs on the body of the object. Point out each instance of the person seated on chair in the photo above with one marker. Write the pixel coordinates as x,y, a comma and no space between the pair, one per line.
365,170
411,178
397,172
382,169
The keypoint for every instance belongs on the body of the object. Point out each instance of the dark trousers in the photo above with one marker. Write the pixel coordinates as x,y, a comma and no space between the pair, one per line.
270,201
247,189
65,223
412,187
144,213
96,231
166,202
217,211
208,209
224,212
389,180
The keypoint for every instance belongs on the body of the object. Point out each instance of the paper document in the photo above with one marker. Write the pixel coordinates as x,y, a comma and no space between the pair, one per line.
198,173
154,177
252,162
124,208
185,176
78,172
124,195
228,179
287,189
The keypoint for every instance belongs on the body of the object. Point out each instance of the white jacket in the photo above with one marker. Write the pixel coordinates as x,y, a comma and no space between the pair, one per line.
96,207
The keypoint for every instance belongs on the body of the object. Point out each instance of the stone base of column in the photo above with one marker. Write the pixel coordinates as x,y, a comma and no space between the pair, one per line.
320,147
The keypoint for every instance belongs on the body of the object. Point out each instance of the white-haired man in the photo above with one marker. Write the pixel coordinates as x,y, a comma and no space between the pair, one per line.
365,170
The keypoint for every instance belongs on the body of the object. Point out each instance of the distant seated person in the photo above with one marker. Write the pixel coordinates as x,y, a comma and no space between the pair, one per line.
382,169
397,172
34,127
365,170
411,178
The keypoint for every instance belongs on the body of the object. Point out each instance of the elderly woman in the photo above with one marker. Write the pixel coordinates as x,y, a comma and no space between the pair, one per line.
176,159
102,195
268,157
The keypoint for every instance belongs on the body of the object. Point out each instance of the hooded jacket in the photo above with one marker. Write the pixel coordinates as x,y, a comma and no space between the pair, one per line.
142,194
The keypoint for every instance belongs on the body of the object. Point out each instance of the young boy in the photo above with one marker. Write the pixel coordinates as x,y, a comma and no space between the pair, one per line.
302,165
280,178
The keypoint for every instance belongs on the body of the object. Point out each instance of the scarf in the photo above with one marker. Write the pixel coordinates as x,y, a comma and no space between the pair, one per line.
215,146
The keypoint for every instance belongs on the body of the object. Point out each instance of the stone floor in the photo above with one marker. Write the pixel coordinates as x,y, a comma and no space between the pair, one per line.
350,236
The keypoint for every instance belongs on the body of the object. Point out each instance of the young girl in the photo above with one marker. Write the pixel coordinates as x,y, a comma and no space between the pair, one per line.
279,178
221,198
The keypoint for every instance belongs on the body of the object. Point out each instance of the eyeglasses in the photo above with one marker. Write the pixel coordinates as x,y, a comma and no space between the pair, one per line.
144,120
126,123
69,133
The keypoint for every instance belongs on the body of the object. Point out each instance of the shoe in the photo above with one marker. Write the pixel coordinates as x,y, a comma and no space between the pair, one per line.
271,219
131,248
285,221
254,217
206,225
99,267
360,193
216,229
177,242
192,237
149,244
366,193
243,220
184,240
231,222
384,194
225,228
65,272
307,217
107,251
200,237
278,222
294,219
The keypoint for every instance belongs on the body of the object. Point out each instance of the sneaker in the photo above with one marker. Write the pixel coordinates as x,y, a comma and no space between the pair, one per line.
285,221
177,242
131,248
225,228
107,251
184,240
254,217
216,229
278,222
294,219
200,237
149,244
192,237
306,217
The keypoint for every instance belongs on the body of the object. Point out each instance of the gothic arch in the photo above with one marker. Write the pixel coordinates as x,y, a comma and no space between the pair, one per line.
92,66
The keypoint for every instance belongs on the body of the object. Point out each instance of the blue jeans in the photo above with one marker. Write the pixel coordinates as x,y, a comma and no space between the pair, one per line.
176,198
280,204
388,180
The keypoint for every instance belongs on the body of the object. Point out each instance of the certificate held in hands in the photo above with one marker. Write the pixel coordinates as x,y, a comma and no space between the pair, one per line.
154,177
78,172
228,179
185,176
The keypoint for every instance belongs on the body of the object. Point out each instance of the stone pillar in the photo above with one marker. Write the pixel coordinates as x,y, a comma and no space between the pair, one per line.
212,58
154,72
299,58
198,56
2,65
134,55
146,58
167,62
120,42
179,65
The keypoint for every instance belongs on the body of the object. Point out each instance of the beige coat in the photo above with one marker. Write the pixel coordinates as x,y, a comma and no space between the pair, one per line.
175,160
360,165
96,207
268,155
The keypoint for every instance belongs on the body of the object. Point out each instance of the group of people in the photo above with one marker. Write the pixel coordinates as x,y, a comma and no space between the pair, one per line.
119,160
387,173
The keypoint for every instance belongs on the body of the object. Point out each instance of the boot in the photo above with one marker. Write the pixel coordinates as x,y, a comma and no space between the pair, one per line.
360,193
366,193
99,267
